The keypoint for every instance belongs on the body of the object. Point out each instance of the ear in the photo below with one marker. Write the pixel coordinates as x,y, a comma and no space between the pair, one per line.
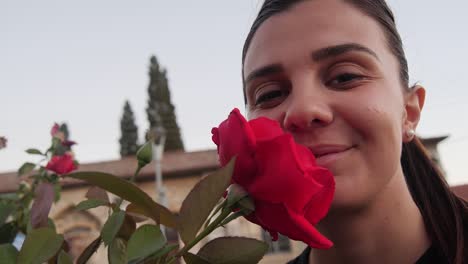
414,103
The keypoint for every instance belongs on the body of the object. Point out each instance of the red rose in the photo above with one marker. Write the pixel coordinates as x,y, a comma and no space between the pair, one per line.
291,194
61,164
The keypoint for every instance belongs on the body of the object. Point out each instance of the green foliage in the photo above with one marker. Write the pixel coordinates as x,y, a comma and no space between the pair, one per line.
162,253
91,203
117,252
39,246
129,132
26,168
27,211
194,259
8,254
5,211
125,190
112,227
220,250
34,151
201,200
64,258
146,241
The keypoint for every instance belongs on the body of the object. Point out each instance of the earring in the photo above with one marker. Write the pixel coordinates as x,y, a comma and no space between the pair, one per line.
410,133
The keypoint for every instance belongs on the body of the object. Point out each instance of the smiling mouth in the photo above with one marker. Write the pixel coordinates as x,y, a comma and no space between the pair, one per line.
326,155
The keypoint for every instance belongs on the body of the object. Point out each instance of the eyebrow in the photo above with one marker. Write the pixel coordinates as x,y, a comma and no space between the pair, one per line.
264,71
334,51
318,55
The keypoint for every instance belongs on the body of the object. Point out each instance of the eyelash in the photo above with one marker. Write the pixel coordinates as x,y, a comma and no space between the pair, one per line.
351,77
268,96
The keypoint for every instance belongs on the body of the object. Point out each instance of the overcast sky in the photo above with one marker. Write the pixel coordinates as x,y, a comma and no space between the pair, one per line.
78,61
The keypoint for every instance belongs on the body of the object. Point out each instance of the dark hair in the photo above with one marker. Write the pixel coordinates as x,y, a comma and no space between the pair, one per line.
444,214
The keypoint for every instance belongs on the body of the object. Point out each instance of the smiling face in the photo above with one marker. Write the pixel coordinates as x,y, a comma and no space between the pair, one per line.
324,71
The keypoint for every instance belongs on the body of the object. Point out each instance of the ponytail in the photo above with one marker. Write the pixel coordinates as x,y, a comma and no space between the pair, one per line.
444,214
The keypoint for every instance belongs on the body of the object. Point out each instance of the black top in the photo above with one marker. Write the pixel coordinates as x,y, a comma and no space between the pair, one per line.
431,256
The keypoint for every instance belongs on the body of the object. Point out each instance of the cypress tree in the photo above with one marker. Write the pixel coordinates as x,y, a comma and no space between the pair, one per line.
160,110
129,132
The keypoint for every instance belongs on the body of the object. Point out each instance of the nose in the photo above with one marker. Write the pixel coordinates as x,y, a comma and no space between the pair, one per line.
307,108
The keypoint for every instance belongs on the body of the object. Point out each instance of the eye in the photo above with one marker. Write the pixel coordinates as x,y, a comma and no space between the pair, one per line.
269,95
344,78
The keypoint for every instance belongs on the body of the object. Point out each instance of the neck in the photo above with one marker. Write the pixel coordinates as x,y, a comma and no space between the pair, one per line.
388,230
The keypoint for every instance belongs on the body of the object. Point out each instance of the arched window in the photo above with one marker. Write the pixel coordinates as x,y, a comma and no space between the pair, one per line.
79,229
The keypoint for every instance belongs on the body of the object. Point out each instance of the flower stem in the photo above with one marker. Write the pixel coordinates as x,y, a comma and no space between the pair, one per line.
215,224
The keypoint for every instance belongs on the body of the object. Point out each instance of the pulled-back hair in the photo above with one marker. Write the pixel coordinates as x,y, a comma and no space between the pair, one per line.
444,214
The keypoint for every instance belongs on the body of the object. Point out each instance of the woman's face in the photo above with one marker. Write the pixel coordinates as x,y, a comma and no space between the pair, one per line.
324,71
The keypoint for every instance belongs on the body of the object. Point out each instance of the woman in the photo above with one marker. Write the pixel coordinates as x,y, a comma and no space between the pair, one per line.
334,74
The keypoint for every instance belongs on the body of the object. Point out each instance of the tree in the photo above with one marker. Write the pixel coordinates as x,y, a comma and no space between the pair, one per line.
160,110
129,132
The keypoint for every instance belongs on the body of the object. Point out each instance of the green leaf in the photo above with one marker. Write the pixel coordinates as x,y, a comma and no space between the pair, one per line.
5,210
91,203
112,227
126,190
39,246
117,252
220,250
166,217
89,251
57,191
162,252
26,168
64,258
194,259
146,240
34,151
8,254
200,201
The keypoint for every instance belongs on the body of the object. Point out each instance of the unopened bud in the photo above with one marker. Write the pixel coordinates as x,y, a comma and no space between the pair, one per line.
145,154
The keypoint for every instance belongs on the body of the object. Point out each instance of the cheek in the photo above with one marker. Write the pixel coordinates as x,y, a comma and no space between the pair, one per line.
276,113
377,114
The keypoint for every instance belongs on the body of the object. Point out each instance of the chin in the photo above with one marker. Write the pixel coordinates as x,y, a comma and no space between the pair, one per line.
348,197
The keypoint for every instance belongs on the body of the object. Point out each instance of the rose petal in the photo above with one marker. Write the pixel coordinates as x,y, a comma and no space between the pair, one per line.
61,164
265,129
278,218
280,178
320,202
234,137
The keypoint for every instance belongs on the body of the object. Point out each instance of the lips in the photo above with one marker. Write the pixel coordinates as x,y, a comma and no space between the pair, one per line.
324,150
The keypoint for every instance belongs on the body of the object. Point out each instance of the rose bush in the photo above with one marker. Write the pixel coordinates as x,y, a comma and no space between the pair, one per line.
291,194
